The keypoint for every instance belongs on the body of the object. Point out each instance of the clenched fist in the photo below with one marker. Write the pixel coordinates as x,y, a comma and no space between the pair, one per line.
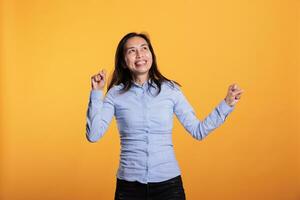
98,80
233,95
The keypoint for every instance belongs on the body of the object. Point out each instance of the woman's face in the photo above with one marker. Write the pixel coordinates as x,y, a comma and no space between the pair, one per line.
138,56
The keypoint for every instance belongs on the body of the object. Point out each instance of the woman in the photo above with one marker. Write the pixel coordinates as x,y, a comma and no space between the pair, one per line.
144,102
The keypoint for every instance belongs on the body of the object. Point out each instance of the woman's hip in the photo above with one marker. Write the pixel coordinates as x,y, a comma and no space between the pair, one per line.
171,189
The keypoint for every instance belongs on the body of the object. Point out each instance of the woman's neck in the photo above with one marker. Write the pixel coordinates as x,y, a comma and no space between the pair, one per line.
141,79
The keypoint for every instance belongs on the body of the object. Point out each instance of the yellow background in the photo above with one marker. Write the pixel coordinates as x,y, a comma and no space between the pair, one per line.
50,49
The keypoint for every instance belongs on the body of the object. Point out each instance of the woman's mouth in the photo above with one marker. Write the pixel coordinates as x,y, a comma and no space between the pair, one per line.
140,62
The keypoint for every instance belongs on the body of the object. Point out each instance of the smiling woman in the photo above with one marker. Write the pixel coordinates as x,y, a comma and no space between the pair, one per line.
135,62
138,58
144,103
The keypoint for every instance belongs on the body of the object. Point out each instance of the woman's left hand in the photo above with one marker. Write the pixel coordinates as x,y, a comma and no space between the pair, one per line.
233,95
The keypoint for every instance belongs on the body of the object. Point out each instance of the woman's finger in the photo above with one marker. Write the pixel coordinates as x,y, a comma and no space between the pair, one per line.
103,72
237,92
234,87
98,78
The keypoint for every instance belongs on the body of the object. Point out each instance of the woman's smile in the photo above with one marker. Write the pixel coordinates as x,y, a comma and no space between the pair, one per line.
140,63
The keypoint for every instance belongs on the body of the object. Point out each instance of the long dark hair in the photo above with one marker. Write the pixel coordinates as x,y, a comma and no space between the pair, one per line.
122,74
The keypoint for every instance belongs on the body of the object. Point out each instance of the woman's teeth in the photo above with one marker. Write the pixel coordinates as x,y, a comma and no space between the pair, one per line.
140,62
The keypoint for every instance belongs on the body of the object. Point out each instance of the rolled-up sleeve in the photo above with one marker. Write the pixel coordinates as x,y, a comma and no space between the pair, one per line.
99,114
187,117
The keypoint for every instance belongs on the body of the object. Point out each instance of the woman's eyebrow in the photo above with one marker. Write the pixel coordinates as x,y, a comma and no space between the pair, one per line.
144,44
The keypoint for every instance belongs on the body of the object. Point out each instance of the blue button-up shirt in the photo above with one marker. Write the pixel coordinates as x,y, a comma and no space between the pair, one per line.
145,125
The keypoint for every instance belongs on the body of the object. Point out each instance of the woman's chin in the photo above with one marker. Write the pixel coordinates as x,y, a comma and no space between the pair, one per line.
142,69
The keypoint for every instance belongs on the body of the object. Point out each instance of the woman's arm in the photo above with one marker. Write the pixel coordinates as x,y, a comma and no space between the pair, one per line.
100,111
199,129
99,114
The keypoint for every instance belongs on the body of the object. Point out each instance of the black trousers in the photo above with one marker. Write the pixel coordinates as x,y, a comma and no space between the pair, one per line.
171,189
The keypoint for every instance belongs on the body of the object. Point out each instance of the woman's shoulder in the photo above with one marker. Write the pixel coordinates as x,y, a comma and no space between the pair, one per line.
171,85
118,87
115,89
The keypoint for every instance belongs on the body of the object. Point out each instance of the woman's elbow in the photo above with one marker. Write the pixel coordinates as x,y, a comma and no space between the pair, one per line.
90,135
92,138
197,132
198,137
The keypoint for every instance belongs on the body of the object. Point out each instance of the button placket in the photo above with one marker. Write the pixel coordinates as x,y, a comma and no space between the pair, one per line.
145,118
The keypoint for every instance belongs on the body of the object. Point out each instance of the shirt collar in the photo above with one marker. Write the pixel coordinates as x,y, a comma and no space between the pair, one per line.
144,85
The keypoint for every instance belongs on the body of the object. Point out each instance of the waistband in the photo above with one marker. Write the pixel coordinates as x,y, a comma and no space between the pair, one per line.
134,183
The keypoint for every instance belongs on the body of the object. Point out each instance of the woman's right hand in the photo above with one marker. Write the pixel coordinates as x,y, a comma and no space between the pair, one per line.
98,80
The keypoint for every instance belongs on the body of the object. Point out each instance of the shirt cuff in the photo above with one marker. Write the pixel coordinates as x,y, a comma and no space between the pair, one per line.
96,94
225,108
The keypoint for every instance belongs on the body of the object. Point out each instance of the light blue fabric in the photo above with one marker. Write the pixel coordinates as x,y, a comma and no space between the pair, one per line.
145,125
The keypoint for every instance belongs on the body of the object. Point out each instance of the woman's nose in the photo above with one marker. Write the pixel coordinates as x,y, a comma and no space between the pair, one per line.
138,54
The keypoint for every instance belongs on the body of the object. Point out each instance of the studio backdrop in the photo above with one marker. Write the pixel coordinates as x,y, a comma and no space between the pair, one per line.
50,49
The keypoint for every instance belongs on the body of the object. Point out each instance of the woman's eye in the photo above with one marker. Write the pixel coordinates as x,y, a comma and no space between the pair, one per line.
131,51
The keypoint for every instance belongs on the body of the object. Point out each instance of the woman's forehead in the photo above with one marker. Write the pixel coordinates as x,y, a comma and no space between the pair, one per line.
135,41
